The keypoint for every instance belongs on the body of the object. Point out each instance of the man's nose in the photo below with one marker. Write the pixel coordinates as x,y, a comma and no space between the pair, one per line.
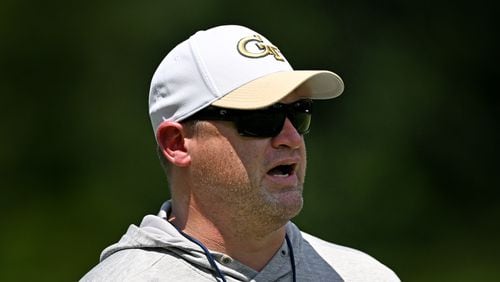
288,137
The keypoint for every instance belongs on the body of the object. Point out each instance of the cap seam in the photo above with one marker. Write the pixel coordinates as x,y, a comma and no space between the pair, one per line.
201,66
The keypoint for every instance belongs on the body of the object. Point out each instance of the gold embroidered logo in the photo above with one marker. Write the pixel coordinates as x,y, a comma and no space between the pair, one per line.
264,48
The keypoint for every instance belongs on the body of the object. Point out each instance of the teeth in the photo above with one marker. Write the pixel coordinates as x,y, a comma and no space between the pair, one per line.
282,171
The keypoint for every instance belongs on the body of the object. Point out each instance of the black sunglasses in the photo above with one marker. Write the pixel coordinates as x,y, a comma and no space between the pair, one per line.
266,122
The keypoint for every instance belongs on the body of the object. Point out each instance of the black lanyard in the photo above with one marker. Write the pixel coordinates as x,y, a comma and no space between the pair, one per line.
218,272
292,257
209,255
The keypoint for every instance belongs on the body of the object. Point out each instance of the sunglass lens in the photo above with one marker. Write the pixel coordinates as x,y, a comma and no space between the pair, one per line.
263,123
301,121
269,122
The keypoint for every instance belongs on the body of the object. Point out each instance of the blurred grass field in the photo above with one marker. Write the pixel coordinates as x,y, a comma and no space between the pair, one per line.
404,165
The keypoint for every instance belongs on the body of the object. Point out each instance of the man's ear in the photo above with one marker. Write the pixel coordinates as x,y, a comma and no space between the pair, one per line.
170,137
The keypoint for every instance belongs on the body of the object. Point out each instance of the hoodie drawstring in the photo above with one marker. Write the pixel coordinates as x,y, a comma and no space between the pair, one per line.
209,255
218,272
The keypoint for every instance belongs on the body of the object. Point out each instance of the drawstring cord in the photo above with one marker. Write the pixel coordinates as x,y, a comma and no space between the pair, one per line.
292,257
209,255
218,272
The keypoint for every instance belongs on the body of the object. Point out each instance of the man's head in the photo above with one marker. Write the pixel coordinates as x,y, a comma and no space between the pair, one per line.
232,67
229,114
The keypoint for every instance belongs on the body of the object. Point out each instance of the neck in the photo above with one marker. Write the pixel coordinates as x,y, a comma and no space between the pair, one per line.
254,248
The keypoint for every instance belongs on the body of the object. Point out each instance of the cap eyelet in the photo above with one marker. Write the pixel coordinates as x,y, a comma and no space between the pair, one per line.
226,260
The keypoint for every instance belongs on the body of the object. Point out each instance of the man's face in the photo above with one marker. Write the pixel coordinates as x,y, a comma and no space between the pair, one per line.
259,180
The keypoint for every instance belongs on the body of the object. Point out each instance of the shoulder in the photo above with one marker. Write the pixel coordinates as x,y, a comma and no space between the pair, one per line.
351,264
144,265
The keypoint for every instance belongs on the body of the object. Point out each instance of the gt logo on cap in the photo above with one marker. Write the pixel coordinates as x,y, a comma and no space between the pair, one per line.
264,48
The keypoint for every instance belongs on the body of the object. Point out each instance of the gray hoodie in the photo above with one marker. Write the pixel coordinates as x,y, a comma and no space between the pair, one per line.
156,251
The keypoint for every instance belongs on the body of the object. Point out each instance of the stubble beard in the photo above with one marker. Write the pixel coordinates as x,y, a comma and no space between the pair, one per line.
230,197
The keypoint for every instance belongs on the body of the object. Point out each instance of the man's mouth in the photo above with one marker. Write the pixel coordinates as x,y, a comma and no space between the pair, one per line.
284,170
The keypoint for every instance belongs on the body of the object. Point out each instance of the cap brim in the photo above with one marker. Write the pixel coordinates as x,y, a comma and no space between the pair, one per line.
271,88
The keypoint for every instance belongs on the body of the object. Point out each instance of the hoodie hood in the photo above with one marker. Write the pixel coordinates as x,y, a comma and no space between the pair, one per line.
155,232
156,250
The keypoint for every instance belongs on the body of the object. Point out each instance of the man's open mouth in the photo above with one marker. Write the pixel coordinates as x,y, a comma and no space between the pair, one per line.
282,170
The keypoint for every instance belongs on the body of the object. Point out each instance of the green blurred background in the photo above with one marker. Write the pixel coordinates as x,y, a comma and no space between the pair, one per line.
403,166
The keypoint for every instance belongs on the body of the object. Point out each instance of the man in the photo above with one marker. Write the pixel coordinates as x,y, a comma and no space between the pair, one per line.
229,115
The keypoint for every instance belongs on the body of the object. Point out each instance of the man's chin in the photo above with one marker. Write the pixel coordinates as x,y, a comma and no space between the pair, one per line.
291,203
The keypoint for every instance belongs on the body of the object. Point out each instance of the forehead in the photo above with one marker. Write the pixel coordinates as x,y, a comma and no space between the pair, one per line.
301,92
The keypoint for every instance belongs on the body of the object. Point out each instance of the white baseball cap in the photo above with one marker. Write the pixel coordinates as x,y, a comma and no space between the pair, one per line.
229,66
